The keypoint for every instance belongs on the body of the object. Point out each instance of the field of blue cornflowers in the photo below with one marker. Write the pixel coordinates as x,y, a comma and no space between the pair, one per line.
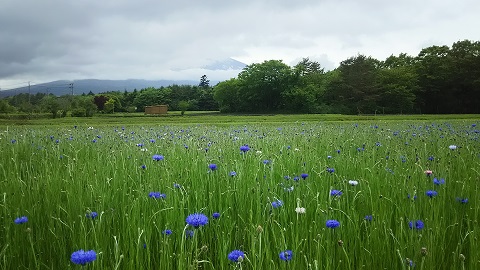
383,195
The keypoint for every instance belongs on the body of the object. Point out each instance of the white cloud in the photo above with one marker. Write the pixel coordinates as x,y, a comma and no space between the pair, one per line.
56,39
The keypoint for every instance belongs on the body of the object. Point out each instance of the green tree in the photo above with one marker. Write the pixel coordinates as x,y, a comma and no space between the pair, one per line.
398,87
206,101
50,104
109,106
261,86
463,62
183,105
5,107
204,82
308,86
356,87
226,94
184,92
433,73
151,96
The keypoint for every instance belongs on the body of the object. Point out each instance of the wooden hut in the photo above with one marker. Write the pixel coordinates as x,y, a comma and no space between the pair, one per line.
157,109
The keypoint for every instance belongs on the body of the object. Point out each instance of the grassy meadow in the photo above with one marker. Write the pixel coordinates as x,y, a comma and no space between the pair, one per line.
289,192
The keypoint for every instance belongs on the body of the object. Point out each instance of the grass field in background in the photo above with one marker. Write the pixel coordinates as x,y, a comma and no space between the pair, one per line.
212,117
298,173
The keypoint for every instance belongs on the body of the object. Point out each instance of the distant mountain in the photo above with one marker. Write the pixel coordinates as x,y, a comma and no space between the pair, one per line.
79,87
227,64
217,71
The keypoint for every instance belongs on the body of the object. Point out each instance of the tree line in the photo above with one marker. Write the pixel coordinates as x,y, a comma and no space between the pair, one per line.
440,79
177,97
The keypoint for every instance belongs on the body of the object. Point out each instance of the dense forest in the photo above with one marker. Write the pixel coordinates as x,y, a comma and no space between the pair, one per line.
440,79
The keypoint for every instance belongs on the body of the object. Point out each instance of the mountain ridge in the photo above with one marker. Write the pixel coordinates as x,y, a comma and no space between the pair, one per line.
78,87
84,86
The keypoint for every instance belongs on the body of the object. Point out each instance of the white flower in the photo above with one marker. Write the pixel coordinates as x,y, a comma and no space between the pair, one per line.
353,182
452,147
300,210
143,149
259,152
296,149
90,128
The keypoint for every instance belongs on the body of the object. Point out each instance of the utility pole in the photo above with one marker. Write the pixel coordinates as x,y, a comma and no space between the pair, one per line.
71,87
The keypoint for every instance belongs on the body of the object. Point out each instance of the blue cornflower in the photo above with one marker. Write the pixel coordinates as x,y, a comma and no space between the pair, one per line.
414,196
216,215
266,161
431,193
212,166
13,141
296,178
335,193
167,232
410,263
431,158
332,224
438,182
277,203
196,220
286,255
175,185
244,148
304,175
368,217
157,157
189,233
236,256
418,225
233,173
157,195
152,141
143,166
21,220
140,144
83,257
94,141
462,200
330,170
91,215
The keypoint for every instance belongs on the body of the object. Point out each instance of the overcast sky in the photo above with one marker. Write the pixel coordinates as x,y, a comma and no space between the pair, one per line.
45,40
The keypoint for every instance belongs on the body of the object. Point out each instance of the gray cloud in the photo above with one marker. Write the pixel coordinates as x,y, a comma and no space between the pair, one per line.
150,39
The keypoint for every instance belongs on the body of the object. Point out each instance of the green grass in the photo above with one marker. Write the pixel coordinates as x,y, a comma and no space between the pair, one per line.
202,117
55,184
